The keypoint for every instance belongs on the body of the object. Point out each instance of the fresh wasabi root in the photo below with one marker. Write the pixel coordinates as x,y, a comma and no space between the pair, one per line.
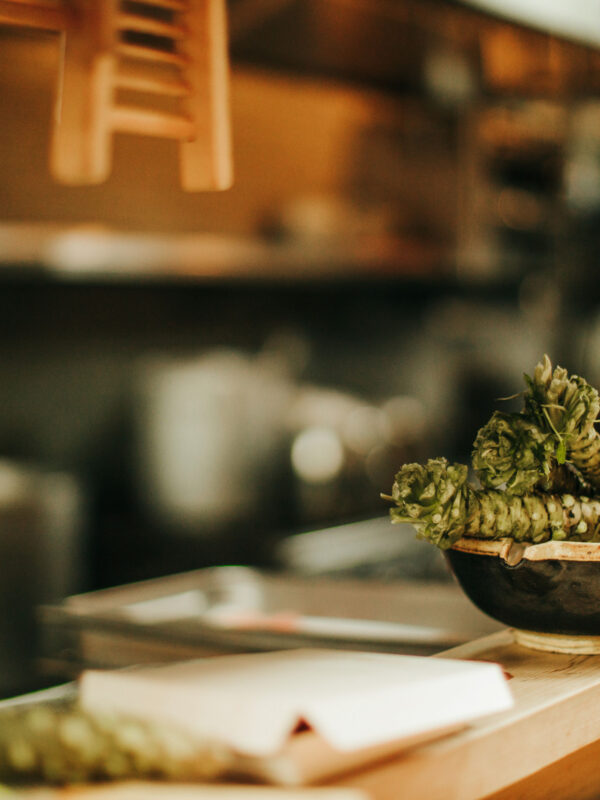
62,745
512,452
433,497
566,407
437,499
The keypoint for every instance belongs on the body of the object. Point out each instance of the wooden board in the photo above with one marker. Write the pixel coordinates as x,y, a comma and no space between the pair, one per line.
556,715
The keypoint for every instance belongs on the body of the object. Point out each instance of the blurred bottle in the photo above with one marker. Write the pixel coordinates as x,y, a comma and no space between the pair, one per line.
41,560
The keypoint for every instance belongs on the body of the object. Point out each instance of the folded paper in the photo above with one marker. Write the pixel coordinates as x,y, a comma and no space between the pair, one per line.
254,702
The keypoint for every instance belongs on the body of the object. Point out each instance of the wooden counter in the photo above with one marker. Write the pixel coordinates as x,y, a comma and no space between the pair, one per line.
547,746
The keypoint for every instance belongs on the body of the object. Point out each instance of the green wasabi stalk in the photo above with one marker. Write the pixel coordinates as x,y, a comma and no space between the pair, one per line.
443,507
65,744
566,407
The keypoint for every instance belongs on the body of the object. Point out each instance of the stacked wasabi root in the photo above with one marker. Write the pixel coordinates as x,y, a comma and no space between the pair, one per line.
566,407
438,501
539,471
514,453
433,497
64,744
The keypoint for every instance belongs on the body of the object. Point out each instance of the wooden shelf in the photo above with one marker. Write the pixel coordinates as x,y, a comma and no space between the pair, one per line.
84,254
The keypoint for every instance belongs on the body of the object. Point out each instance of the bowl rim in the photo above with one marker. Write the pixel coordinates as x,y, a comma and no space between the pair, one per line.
513,552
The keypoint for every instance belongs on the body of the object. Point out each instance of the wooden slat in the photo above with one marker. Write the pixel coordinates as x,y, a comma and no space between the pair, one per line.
133,22
128,119
206,161
46,16
151,54
138,80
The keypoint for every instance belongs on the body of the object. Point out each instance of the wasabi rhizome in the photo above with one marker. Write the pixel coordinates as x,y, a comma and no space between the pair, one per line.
537,472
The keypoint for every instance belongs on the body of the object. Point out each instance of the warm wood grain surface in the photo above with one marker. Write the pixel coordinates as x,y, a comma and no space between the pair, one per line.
555,721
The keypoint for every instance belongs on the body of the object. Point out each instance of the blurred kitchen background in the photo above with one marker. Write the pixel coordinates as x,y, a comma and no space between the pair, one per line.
188,379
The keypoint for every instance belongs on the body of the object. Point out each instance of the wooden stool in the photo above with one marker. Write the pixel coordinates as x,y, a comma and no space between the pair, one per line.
151,68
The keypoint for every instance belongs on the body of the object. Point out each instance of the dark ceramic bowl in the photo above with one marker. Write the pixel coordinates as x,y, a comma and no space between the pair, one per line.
549,593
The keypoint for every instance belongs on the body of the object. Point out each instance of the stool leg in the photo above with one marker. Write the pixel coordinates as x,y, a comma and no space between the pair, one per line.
81,145
205,160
